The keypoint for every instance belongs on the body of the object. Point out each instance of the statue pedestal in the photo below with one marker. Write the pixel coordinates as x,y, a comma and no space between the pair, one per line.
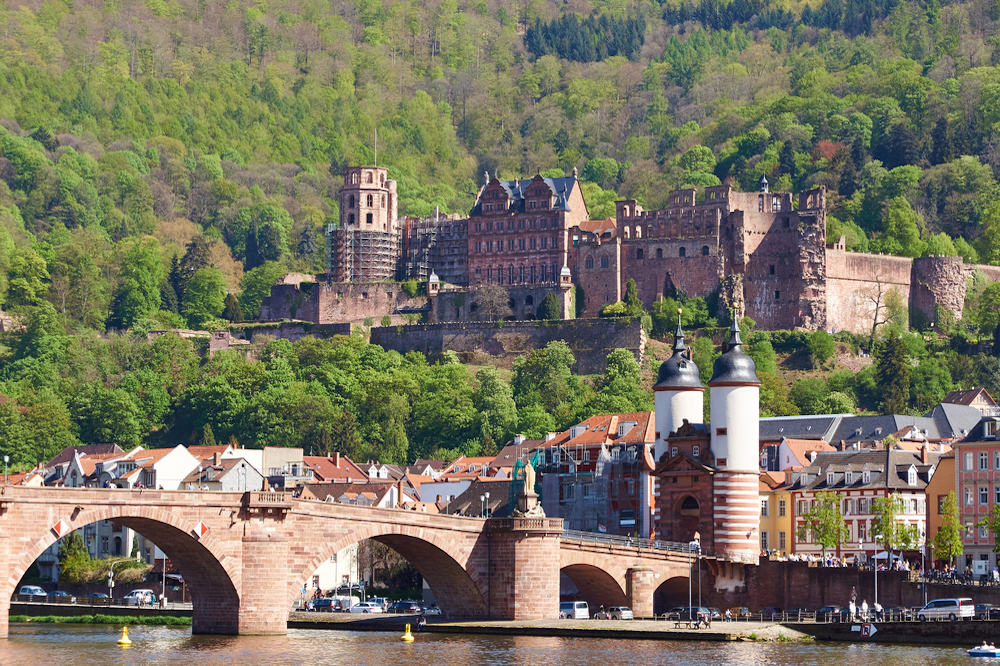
528,506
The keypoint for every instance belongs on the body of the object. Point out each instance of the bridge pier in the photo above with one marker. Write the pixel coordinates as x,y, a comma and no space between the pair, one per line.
640,585
523,565
264,585
5,559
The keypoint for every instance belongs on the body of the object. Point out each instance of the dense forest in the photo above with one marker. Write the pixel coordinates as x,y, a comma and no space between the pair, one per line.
162,162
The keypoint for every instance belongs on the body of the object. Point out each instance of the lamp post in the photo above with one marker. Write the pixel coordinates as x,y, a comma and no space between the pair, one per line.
691,546
698,546
923,566
482,503
875,541
6,459
487,504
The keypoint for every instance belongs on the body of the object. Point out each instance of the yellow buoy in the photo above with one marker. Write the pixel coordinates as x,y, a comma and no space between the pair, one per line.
124,640
407,637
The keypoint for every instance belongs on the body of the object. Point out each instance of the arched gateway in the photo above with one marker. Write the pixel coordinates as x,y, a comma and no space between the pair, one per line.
246,555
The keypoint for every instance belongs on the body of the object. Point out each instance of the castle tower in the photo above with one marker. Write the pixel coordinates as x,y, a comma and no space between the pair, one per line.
677,394
734,391
365,247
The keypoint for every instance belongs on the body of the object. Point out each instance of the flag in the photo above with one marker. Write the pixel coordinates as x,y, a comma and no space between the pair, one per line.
602,529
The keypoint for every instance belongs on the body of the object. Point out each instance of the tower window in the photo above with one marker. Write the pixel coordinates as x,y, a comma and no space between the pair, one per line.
368,218
771,268
604,262
371,199
704,251
682,252
777,295
720,431
350,201
350,218
638,253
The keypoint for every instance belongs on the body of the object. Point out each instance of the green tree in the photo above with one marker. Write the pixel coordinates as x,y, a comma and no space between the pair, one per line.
948,540
256,285
74,559
28,278
205,296
550,308
619,390
892,374
824,523
207,436
633,305
886,526
232,310
821,348
138,294
494,403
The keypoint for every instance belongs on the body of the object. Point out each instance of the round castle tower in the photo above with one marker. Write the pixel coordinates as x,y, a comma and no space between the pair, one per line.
677,394
734,392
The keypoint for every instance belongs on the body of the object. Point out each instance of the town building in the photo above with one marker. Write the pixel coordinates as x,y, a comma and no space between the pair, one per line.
977,486
940,486
979,398
858,478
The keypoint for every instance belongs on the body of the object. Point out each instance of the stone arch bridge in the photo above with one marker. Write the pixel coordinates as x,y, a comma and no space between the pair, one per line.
246,556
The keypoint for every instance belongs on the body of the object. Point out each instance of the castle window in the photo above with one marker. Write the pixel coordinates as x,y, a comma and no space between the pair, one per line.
350,218
520,224
695,450
760,203
626,232
544,272
786,223
371,199
704,251
545,243
529,299
369,180
520,243
532,280
489,246
682,252
604,262
625,212
354,178
383,179
777,295
638,253
590,262
776,204
771,268
510,275
711,195
720,432
638,231
350,201
383,201
368,218
659,253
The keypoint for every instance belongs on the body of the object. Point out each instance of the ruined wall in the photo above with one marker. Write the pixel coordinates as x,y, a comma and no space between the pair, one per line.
649,262
459,304
288,330
854,282
938,281
590,339
328,303
601,283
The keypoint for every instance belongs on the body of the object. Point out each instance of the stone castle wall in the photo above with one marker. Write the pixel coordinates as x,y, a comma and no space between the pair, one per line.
855,281
458,305
590,339
338,302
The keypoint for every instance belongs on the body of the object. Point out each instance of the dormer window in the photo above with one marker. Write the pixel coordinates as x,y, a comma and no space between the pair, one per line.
866,477
556,456
911,476
990,429
848,478
829,478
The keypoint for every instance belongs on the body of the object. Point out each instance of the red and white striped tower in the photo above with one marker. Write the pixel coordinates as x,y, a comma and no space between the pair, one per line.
734,393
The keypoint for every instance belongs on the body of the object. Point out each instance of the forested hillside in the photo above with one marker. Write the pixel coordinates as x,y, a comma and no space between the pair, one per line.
161,162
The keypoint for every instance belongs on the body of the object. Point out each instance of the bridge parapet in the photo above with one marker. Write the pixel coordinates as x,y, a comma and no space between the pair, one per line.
550,525
267,502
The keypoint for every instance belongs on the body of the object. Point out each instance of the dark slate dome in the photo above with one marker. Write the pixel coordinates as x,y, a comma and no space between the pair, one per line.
734,367
678,371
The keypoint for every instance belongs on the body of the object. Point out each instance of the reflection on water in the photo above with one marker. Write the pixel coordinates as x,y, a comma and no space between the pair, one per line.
37,645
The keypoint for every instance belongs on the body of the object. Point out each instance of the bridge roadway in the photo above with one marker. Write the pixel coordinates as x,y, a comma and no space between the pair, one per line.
246,556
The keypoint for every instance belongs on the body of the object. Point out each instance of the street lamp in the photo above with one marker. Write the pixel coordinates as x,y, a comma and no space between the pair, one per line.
923,566
482,503
691,546
698,546
487,504
875,541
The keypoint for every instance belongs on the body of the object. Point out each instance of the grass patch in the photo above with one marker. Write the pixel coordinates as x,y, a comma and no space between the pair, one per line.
106,619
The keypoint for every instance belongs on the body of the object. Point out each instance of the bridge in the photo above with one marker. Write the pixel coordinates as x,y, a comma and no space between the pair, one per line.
246,556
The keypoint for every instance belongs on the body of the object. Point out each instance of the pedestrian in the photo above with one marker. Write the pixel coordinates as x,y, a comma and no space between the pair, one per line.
421,623
853,609
878,611
864,609
729,616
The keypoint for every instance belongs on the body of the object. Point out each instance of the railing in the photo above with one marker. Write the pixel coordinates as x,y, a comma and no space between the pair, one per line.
98,602
527,523
631,542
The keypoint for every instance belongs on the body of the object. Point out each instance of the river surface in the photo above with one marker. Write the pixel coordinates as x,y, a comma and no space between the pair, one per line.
66,645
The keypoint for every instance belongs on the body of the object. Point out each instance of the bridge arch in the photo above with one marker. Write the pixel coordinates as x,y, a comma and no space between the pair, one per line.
673,592
213,585
460,587
597,587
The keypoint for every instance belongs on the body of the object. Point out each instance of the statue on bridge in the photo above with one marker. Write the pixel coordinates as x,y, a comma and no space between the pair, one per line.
527,499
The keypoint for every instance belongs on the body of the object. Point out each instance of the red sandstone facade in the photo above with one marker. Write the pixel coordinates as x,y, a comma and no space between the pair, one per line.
518,230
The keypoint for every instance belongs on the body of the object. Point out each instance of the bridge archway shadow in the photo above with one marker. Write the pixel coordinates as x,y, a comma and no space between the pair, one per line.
673,592
458,588
215,601
596,586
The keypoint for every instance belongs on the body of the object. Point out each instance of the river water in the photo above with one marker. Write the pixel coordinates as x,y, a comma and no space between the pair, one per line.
79,645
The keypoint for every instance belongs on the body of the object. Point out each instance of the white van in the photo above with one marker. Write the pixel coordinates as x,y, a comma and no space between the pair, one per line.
948,609
140,598
31,591
574,610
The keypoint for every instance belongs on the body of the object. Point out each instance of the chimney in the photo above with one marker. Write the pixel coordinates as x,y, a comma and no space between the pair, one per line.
217,458
518,439
549,436
336,458
924,454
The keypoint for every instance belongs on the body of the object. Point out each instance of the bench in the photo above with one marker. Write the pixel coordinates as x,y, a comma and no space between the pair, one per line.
689,624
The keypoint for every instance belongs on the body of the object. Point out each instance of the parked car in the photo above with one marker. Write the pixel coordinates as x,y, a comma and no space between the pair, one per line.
31,591
614,613
140,597
832,614
948,609
325,605
432,610
687,613
716,614
574,610
770,611
381,601
61,597
740,613
405,607
896,613
987,612
366,607
97,595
